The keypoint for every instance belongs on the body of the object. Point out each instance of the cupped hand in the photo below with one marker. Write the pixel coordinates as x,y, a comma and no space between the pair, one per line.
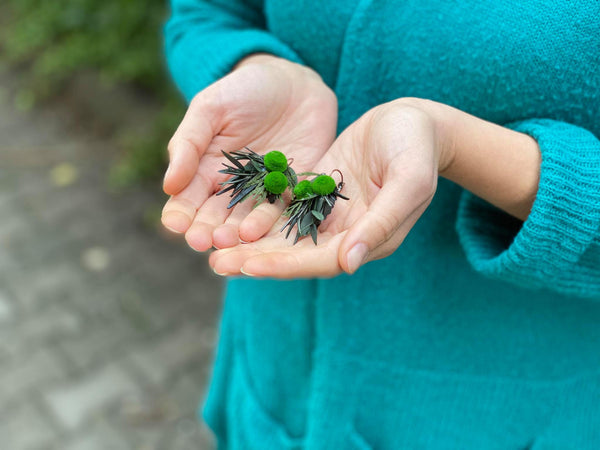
390,159
266,103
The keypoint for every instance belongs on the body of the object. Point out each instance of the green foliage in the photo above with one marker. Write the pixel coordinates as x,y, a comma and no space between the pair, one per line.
53,39
145,157
275,161
119,40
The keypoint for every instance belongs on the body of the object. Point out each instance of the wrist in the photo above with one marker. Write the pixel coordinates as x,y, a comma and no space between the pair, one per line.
497,164
442,118
258,58
285,65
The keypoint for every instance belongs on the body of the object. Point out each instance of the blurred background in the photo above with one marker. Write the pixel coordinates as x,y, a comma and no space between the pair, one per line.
107,322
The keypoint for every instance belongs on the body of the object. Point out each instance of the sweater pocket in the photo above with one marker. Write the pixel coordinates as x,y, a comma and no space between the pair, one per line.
274,335
394,407
251,426
355,440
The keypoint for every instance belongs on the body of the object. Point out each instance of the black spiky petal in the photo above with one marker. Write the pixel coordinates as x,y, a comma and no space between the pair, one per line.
248,178
308,213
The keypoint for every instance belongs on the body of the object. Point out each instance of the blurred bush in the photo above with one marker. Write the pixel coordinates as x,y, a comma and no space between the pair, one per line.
120,40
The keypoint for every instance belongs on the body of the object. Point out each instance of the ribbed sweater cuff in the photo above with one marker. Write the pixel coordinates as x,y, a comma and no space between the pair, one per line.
196,63
549,248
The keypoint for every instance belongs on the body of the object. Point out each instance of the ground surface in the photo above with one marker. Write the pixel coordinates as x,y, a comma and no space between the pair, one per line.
107,324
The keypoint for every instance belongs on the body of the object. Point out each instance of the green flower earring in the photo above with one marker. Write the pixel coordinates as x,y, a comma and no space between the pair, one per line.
261,177
313,202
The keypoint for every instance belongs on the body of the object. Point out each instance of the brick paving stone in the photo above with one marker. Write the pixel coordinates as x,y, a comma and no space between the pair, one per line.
161,359
6,309
107,325
42,287
150,438
146,408
75,402
209,337
28,372
169,409
99,435
53,325
26,428
97,344
190,435
187,392
12,225
9,347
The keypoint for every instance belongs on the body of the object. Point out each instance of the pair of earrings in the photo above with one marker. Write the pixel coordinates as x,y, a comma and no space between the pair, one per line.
267,177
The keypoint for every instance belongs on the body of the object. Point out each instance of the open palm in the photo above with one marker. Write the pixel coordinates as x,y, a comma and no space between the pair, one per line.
389,160
265,104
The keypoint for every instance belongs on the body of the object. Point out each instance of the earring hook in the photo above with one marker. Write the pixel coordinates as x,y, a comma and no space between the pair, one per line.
341,175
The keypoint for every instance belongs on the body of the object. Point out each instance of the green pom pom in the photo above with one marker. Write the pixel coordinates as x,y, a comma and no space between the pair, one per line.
275,161
323,185
303,189
276,182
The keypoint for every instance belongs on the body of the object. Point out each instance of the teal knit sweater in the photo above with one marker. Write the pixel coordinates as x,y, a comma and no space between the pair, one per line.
480,331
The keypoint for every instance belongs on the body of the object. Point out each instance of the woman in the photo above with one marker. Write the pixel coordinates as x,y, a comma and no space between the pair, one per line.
471,318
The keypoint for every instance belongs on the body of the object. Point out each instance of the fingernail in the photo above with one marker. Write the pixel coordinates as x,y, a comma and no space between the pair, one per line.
171,229
356,256
224,274
168,172
246,273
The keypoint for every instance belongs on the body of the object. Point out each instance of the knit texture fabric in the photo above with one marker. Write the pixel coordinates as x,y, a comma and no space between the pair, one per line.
558,246
480,331
204,40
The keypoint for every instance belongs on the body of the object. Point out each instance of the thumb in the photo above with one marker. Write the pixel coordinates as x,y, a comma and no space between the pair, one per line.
189,143
390,216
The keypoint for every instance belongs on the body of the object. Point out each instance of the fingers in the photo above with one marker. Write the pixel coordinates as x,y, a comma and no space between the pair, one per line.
260,220
277,257
177,214
227,234
229,261
184,157
190,141
390,216
179,211
306,262
210,215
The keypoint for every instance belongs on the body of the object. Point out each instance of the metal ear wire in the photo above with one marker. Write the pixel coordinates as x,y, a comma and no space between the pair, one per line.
341,183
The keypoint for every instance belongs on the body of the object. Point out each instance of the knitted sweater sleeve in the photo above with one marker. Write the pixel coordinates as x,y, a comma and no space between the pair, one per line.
204,39
558,246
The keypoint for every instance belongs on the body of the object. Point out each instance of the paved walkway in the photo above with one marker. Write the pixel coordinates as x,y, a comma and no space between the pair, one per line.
107,324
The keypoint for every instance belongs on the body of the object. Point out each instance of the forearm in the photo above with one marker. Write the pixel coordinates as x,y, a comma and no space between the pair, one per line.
499,165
